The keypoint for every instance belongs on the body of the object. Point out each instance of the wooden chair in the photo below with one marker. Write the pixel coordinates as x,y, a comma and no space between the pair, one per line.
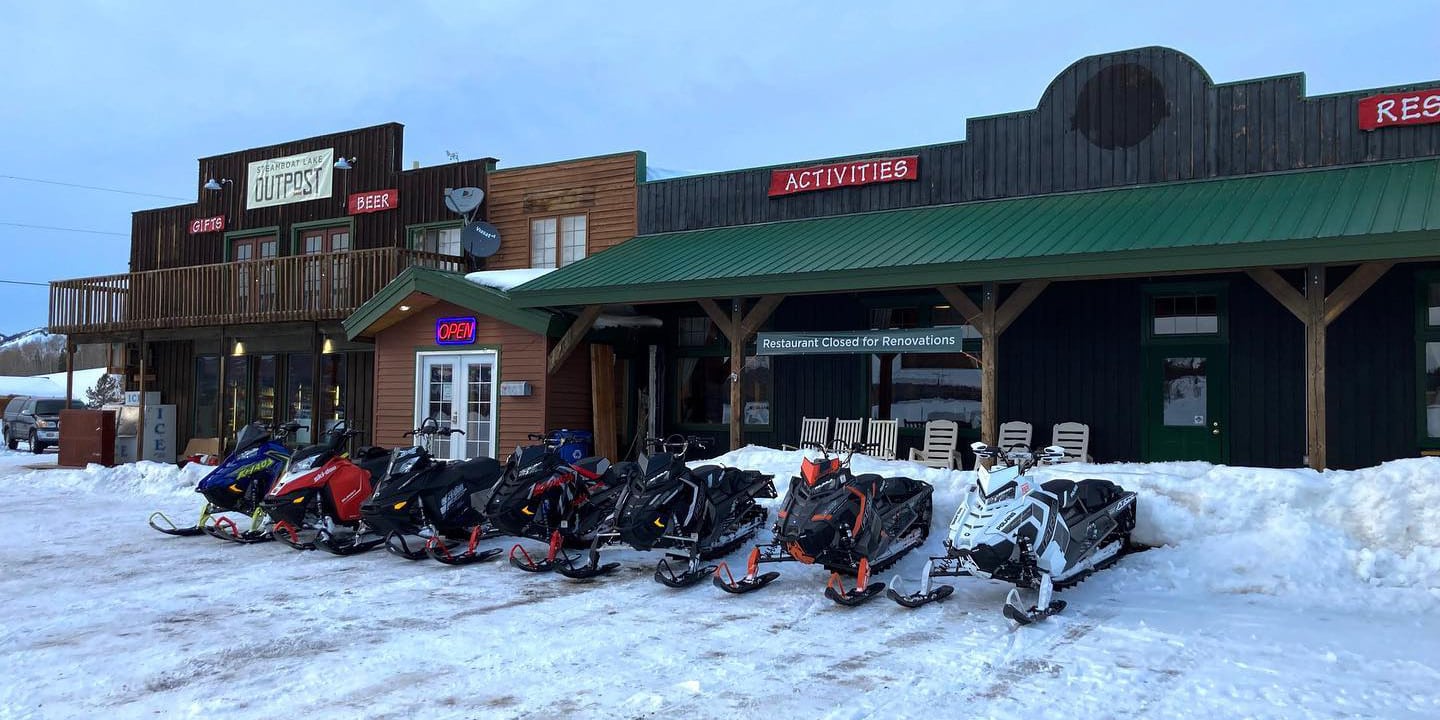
883,435
812,430
1075,438
942,440
1015,433
847,433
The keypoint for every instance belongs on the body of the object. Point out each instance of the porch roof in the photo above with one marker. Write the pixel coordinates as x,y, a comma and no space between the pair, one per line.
1375,211
379,311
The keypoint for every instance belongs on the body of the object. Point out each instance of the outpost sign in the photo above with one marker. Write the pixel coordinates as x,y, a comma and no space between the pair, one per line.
290,179
921,340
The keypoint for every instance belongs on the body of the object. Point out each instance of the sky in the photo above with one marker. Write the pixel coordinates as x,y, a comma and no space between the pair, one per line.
128,96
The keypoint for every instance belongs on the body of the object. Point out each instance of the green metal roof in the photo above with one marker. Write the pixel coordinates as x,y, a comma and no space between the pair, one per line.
452,288
1365,212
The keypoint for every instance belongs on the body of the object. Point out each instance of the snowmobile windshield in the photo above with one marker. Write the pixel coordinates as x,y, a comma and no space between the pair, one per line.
818,472
404,461
534,460
310,457
656,470
252,435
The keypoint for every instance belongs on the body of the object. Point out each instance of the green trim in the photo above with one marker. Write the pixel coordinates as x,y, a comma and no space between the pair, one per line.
296,228
1220,289
1424,333
411,231
451,288
252,232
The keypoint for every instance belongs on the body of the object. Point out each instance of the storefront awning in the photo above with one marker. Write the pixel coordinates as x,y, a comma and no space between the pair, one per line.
1366,212
382,309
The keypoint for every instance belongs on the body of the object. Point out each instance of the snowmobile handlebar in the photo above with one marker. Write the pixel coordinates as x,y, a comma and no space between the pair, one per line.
676,444
431,427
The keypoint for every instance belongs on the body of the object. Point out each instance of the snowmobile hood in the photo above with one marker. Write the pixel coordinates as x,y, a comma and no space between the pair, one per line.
811,518
996,483
532,462
242,467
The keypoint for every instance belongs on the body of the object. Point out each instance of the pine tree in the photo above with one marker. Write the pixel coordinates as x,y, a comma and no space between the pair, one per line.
106,390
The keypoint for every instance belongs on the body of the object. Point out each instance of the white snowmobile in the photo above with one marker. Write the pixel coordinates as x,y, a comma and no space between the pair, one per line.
1040,538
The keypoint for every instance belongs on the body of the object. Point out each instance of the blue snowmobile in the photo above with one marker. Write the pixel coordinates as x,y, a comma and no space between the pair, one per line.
238,485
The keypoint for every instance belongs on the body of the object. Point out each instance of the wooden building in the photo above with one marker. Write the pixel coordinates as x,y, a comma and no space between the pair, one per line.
457,349
1233,272
232,305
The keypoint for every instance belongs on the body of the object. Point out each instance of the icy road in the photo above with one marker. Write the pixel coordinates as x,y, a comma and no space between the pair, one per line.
1282,594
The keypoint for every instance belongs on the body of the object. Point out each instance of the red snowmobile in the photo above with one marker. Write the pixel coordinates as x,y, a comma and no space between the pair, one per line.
322,489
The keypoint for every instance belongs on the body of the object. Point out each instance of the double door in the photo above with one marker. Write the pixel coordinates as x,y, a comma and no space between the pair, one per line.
458,390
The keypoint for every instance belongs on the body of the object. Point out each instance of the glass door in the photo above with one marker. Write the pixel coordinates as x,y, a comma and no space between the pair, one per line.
1185,392
458,390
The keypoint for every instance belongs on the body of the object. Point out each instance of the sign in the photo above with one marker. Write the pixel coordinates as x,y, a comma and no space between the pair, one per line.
455,331
844,342
374,201
132,398
289,179
519,388
205,225
1408,108
858,172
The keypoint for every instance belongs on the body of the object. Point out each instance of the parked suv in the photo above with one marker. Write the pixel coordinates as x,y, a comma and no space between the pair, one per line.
35,421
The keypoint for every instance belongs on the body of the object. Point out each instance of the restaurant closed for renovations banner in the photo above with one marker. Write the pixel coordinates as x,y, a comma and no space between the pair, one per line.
290,179
919,340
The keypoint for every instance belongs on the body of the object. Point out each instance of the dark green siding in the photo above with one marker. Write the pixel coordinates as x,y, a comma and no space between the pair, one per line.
816,385
1267,379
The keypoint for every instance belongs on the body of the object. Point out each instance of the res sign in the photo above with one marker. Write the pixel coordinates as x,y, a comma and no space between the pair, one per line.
455,331
1407,108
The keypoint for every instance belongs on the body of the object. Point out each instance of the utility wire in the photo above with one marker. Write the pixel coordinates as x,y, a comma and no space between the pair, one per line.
24,282
64,229
91,187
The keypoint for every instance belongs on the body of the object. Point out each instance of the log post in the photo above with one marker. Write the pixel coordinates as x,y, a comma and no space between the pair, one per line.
737,364
140,429
69,372
989,360
602,399
571,339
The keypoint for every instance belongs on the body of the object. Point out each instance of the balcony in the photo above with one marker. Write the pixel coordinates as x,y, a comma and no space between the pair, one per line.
296,287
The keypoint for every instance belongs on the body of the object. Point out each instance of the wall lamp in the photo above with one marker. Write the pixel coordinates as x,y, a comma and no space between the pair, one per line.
343,164
213,184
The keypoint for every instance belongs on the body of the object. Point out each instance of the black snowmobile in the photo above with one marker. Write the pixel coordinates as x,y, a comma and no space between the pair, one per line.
849,524
543,497
424,502
692,515
1042,537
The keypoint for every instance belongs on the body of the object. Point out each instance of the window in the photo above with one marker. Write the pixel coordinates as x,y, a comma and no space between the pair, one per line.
698,332
1184,315
207,395
299,387
327,280
704,390
555,239
331,386
255,283
1429,352
439,240
236,397
915,388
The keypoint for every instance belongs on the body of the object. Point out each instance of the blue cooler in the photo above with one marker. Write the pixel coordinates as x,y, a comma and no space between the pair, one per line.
574,444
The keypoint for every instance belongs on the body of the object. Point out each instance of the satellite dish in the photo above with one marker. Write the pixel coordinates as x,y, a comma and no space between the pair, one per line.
480,240
463,200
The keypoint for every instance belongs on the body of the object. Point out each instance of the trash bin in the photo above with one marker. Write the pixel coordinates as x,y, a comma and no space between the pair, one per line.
574,444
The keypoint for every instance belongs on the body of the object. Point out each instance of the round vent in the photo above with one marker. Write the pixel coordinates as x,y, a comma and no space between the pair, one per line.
1120,106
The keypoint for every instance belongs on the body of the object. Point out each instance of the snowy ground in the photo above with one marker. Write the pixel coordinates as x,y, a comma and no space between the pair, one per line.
1285,594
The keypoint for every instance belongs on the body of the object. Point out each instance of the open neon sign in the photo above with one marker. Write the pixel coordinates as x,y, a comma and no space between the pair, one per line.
455,331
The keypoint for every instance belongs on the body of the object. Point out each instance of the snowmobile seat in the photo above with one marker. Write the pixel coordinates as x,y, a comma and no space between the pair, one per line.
1064,490
898,489
1091,494
471,470
370,452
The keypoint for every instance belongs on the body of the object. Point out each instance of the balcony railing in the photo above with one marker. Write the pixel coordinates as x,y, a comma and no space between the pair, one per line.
296,287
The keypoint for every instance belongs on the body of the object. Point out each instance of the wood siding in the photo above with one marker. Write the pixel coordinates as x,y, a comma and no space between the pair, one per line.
1201,130
601,188
161,238
521,357
567,393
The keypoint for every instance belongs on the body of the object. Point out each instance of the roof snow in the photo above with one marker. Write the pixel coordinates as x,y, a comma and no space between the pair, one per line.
503,280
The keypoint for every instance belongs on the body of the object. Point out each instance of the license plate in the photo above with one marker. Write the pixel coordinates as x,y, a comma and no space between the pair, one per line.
49,436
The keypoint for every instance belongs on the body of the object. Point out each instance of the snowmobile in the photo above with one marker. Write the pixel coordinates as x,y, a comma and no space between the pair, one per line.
238,485
423,503
691,514
849,524
543,497
1040,538
322,488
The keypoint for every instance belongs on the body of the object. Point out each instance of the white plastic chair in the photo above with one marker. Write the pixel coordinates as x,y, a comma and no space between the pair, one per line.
1015,433
1075,438
883,436
847,433
942,438
812,430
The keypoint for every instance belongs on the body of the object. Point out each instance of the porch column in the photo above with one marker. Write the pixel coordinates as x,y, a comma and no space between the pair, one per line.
69,371
991,319
739,327
1313,308
140,429
602,399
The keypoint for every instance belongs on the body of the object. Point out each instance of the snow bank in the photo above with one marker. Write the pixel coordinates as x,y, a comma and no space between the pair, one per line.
1338,538
36,386
503,280
84,380
141,478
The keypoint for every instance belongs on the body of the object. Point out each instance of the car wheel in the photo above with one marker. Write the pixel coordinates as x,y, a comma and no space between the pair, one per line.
10,442
35,447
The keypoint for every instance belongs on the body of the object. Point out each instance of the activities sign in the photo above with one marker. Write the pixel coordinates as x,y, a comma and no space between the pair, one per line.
290,179
842,342
846,174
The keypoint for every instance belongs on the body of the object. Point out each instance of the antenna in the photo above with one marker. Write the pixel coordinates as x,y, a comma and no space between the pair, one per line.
463,201
479,240
454,156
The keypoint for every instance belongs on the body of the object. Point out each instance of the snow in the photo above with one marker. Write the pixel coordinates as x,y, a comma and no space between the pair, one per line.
34,336
1274,594
84,380
35,386
503,280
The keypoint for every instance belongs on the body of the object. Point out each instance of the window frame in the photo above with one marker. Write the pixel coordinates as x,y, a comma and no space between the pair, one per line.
414,233
233,235
1424,333
297,230
924,304
1148,292
559,219
718,348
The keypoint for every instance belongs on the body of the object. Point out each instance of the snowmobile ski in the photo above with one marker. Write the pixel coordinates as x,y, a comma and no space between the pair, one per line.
752,580
694,573
224,528
863,592
352,545
172,529
928,592
1022,618
439,551
398,544
915,600
288,534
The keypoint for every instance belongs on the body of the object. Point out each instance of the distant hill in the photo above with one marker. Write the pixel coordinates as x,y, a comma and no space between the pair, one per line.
40,351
